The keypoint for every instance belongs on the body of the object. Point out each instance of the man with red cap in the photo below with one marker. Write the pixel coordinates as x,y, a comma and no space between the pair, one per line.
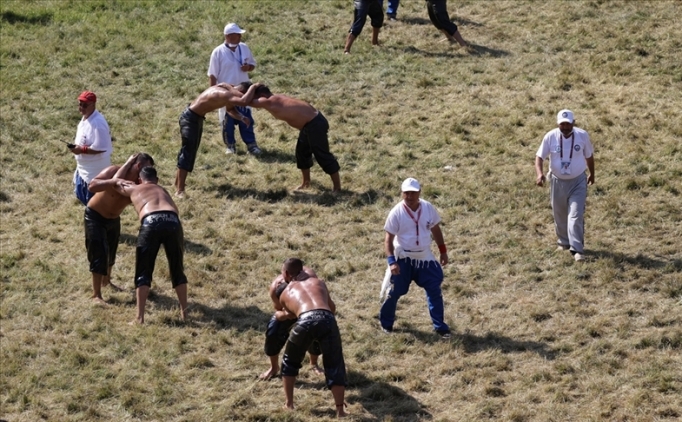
92,146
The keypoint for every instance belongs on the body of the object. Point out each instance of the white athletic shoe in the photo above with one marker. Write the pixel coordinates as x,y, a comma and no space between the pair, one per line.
579,257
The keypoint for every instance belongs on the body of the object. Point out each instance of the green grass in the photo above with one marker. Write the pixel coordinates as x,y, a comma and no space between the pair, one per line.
536,336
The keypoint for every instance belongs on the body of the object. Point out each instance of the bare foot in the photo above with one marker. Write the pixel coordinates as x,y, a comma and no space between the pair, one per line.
136,322
316,369
181,194
303,186
99,301
340,410
269,374
288,406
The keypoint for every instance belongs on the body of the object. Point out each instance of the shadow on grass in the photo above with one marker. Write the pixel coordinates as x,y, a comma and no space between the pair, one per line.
639,260
276,156
227,317
326,198
190,247
481,50
383,400
39,19
424,21
475,344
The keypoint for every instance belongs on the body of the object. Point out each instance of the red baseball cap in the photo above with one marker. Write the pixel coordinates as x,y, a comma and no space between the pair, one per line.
88,97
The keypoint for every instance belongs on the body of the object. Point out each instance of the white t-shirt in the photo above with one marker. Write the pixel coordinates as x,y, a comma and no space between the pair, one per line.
94,133
401,223
558,149
226,64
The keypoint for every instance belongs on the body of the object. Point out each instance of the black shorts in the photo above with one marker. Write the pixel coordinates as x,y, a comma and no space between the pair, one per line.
191,128
438,14
317,325
313,140
363,8
160,228
276,337
101,240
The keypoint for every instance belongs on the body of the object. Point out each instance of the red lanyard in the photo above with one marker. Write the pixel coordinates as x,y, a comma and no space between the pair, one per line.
570,158
416,220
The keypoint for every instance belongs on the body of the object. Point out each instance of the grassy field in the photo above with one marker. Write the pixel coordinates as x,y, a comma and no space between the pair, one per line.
537,337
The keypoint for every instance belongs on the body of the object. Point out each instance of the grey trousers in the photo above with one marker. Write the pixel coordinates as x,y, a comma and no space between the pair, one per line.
568,199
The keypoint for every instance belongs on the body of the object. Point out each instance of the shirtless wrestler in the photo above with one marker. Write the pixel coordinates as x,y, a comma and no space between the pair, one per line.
278,331
103,223
192,123
313,136
307,299
159,225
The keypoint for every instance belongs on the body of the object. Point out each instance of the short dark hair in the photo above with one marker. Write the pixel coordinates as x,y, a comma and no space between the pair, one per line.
243,86
262,90
148,174
142,157
280,288
293,266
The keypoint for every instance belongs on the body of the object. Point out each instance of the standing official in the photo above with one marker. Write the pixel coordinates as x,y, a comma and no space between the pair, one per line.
409,228
570,153
230,63
92,146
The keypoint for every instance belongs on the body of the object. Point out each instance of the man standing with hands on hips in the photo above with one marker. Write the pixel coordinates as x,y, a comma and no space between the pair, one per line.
570,153
230,63
92,146
407,243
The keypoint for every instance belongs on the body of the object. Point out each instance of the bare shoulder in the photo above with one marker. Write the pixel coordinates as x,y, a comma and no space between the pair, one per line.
310,272
108,172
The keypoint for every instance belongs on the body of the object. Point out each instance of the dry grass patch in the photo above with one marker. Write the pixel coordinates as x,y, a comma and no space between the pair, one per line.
536,337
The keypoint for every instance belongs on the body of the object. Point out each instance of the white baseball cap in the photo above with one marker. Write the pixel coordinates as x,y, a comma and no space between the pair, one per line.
410,185
233,28
564,116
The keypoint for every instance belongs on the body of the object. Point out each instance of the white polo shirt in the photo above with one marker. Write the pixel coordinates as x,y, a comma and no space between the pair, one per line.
573,150
403,223
94,133
226,64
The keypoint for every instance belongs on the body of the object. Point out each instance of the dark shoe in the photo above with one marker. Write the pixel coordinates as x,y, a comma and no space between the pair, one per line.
254,150
445,335
391,17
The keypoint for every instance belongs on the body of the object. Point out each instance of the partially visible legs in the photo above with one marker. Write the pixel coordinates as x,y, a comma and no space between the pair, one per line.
430,278
438,14
400,285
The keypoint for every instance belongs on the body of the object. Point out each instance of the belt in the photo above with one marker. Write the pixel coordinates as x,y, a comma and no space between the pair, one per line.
315,314
161,217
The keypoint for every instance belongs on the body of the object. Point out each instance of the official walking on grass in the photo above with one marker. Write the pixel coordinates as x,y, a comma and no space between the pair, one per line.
407,244
570,153
92,146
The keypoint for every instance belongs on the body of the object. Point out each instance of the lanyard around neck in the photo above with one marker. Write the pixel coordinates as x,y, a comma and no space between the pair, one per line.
570,157
238,51
416,220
